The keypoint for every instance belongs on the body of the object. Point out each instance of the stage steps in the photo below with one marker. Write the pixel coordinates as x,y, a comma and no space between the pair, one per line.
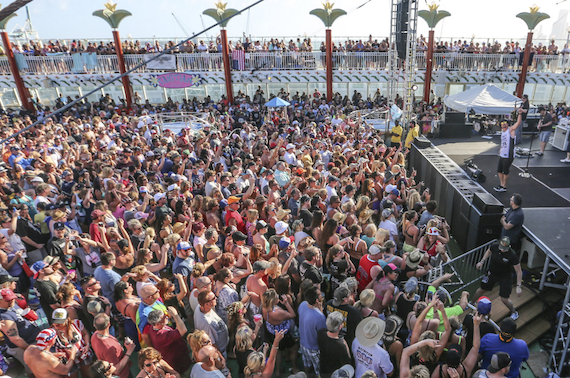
531,323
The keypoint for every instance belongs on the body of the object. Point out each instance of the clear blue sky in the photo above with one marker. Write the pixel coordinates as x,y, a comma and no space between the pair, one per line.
482,18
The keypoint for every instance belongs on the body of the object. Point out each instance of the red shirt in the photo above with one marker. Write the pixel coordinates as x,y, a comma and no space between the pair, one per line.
170,344
363,273
108,349
239,220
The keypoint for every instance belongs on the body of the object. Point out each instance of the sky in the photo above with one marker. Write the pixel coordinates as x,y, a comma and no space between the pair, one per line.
483,19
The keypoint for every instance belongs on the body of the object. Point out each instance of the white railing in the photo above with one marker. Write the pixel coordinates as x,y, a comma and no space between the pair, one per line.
283,61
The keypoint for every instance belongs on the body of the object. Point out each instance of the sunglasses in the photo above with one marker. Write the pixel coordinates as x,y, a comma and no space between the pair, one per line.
153,294
151,363
204,343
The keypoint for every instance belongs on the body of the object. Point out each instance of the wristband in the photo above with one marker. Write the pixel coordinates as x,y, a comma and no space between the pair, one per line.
274,347
128,355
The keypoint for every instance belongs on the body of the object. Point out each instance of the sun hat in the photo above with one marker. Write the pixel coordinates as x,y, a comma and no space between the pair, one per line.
369,331
414,258
339,217
282,213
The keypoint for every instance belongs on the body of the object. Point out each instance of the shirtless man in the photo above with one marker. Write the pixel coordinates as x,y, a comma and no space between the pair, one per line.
255,285
240,250
45,364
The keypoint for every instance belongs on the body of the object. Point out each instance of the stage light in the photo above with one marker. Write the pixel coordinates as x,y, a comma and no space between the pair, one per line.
414,87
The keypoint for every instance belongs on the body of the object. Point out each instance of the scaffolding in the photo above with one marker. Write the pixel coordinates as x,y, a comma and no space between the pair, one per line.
408,64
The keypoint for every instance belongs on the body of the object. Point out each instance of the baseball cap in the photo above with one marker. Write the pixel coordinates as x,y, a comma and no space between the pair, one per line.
289,146
140,215
386,213
433,231
223,203
97,213
7,294
44,337
284,242
504,244
143,189
38,265
59,226
411,285
173,187
499,360
233,199
159,196
260,265
59,316
346,371
239,236
395,192
7,278
340,294
260,225
484,306
94,307
454,353
184,246
375,249
38,179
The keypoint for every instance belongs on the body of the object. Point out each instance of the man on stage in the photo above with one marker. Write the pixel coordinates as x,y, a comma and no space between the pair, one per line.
507,151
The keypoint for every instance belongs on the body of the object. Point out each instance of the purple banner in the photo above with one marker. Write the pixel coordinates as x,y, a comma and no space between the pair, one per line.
175,80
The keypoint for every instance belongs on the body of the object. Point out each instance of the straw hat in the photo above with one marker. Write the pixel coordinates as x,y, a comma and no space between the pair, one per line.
365,215
178,228
282,213
414,258
339,217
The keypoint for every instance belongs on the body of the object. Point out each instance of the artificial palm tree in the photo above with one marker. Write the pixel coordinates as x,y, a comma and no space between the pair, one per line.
328,16
431,17
532,19
113,17
221,15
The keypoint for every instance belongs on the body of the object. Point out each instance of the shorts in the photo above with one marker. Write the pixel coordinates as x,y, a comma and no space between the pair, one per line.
506,284
544,136
311,357
504,165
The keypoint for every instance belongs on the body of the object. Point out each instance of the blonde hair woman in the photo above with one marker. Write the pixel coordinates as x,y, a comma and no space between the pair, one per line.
256,363
365,302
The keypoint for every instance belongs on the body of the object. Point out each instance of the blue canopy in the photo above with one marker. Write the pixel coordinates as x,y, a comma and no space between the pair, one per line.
276,102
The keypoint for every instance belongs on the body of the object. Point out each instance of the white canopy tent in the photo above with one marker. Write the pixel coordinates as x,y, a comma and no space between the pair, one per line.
485,99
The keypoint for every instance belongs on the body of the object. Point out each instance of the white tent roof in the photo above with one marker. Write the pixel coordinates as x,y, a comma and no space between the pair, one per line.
485,99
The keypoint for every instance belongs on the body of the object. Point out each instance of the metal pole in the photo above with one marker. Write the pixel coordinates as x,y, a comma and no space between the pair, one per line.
227,66
429,66
126,73
526,58
22,90
329,65
552,358
121,62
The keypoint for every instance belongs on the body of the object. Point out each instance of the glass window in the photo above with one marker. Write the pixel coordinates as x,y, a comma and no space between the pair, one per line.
9,97
558,93
341,88
542,93
155,95
455,88
510,87
215,91
529,90
200,92
93,97
47,96
177,95
115,92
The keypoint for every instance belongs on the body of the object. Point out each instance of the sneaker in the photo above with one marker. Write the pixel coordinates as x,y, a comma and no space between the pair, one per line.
497,188
565,161
539,153
515,315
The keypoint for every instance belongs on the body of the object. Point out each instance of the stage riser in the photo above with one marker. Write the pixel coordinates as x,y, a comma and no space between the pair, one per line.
471,225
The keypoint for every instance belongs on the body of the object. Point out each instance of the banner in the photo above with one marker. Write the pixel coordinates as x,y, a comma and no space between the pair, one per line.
175,80
165,62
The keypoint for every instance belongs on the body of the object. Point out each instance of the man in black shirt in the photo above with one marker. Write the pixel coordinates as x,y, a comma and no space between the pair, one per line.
513,220
309,268
351,315
45,288
504,262
523,111
545,127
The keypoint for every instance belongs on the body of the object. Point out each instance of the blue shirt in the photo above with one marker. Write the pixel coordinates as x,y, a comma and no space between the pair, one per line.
310,321
184,267
517,350
281,177
108,278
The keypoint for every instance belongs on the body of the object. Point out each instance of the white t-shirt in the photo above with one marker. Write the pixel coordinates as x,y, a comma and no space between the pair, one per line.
199,372
330,192
15,241
390,226
290,158
373,358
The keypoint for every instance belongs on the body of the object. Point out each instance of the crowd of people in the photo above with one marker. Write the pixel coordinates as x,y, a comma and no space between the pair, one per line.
295,238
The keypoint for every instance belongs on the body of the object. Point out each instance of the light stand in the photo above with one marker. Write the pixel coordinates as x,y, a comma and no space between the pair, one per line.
525,173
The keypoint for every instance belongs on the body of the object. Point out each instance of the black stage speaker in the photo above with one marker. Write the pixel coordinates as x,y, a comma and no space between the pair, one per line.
487,204
422,142
403,8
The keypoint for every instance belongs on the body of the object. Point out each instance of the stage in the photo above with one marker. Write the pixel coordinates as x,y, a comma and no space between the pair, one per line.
546,194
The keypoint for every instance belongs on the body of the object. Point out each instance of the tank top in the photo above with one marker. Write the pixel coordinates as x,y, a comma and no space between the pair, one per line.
363,273
353,251
507,145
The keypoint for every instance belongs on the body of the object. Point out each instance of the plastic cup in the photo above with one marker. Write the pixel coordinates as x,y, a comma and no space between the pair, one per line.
257,317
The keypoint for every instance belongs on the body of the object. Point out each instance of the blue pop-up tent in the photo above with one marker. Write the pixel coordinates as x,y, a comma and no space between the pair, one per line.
276,102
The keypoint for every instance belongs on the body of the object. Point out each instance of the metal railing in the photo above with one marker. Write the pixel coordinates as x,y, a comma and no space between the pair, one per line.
285,61
464,268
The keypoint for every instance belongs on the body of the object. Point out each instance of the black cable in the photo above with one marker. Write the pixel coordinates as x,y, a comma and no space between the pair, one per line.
126,73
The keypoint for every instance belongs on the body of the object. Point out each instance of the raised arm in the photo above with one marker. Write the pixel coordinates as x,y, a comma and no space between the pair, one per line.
418,326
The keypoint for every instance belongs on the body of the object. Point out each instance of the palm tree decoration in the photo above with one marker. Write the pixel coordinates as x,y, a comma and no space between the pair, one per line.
220,13
431,17
5,21
114,18
111,14
328,16
531,19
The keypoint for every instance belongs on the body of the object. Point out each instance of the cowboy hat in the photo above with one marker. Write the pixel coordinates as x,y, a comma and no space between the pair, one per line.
414,258
369,331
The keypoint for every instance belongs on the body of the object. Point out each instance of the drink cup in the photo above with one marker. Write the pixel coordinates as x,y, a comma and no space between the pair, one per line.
257,317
